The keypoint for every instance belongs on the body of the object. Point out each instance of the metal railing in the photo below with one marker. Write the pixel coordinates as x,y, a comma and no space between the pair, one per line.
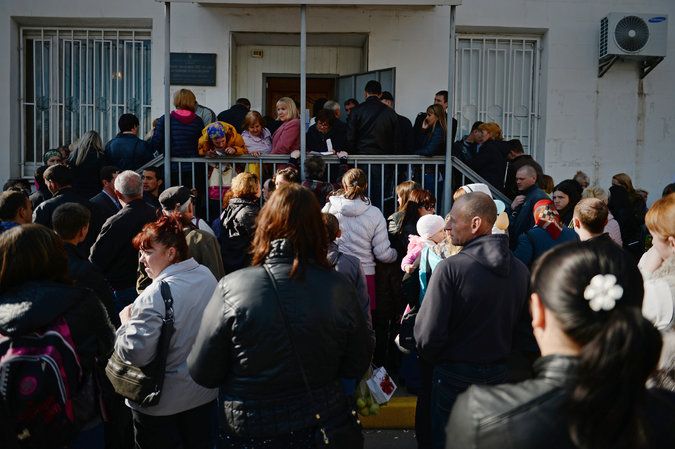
384,174
473,177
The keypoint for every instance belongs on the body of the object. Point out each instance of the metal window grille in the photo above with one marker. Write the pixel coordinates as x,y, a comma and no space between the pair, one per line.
497,80
76,80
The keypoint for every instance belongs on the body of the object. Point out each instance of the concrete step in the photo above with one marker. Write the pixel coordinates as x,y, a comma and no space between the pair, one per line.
399,413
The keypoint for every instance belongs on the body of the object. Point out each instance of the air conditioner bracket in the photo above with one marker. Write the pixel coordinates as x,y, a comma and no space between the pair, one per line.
605,65
648,64
645,65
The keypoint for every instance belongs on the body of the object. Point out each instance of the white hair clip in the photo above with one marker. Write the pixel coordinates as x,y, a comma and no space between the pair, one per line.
602,292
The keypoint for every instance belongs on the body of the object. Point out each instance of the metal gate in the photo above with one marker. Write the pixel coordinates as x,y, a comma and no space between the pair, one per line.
352,86
75,80
497,80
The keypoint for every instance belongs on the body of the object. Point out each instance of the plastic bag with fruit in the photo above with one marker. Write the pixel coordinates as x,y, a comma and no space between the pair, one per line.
374,390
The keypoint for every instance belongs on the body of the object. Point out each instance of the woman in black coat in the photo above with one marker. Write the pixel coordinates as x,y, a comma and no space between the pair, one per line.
286,320
597,352
36,295
628,207
237,222
490,159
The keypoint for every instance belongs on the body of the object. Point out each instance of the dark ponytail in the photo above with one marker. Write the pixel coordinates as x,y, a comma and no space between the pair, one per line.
619,348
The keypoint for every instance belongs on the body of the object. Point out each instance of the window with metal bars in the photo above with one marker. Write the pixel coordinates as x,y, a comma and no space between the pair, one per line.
497,80
76,80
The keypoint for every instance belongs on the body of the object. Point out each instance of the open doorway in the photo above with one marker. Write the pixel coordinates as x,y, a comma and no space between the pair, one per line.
277,86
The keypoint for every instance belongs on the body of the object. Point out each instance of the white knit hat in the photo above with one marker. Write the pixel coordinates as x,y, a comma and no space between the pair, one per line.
429,225
478,187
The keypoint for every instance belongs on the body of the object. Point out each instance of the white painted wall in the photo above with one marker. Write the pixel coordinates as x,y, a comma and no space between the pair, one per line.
248,71
599,125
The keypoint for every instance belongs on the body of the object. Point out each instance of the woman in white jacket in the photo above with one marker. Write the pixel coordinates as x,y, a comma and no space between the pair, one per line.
185,413
364,229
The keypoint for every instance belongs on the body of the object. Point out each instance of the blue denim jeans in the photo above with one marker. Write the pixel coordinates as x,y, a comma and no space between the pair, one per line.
451,379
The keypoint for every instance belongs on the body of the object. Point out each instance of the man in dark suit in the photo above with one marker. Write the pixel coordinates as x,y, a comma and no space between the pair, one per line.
59,180
113,253
107,202
236,114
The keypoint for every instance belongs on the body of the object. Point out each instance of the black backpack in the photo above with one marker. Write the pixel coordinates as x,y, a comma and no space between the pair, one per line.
40,373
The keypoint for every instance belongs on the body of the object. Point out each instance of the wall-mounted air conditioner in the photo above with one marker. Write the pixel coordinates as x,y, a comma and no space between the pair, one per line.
633,36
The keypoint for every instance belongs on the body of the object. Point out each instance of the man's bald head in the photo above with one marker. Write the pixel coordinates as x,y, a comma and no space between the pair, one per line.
478,204
526,177
472,215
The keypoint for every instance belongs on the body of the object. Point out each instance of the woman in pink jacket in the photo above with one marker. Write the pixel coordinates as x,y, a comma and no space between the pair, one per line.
287,137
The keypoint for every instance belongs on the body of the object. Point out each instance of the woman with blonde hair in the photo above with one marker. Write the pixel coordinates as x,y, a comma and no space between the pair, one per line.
490,160
430,140
237,222
658,270
86,162
364,230
402,223
286,138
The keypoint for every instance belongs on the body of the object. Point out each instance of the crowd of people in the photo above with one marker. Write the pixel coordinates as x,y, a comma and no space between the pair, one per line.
549,319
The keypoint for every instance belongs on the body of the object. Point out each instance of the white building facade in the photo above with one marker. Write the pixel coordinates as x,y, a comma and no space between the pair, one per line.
72,65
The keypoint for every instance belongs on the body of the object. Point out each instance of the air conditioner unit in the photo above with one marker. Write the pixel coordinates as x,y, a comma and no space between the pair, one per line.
641,37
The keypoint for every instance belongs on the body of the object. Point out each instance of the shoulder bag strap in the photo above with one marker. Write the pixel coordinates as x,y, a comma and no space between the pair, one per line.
166,332
168,301
295,352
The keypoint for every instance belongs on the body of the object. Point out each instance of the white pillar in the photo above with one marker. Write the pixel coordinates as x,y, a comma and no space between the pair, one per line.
167,94
447,182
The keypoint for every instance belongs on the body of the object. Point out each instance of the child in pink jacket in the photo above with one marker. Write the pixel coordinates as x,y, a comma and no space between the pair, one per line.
431,231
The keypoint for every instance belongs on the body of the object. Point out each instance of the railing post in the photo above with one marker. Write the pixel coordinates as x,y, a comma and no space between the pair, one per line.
303,88
167,94
447,185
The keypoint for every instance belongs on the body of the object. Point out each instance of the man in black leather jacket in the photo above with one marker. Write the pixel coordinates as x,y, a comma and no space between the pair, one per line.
373,126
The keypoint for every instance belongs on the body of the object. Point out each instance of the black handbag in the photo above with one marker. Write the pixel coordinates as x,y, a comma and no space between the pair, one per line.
341,432
143,385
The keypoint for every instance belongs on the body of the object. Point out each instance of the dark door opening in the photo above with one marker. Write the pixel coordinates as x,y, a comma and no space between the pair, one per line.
289,86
